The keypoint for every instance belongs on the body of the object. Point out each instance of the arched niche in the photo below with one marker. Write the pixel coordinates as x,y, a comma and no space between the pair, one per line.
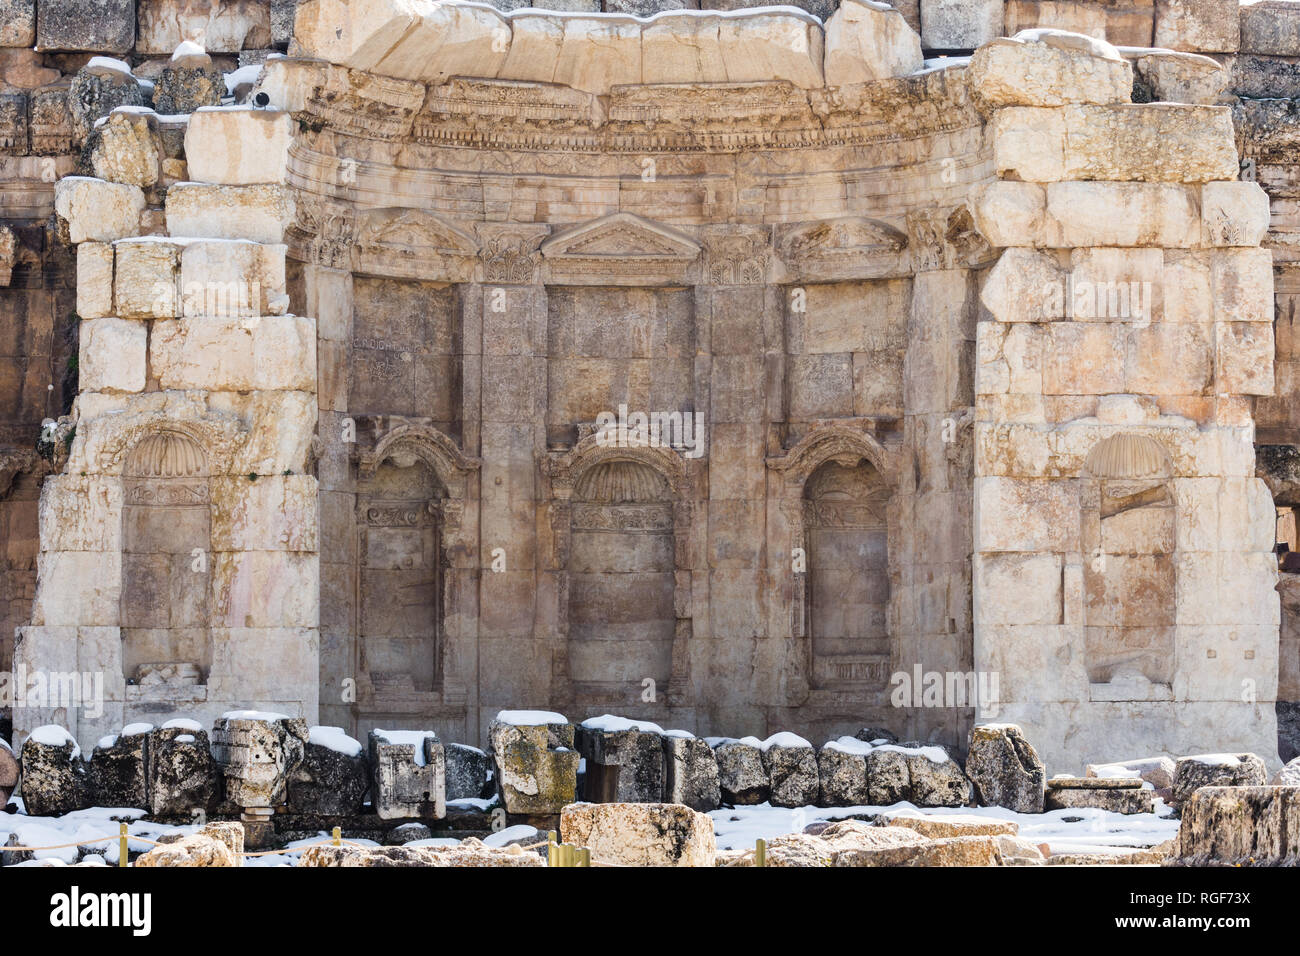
620,520
411,491
835,492
621,576
1129,535
847,585
166,550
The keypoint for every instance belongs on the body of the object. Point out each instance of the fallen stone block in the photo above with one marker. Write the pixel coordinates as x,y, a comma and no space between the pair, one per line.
842,773
691,772
118,772
936,780
1125,795
954,825
409,771
1215,770
1288,776
257,752
791,766
226,26
469,771
537,765
1239,826
197,849
1005,769
1157,771
742,776
625,760
53,773
333,777
640,834
183,777
469,852
1171,77
10,769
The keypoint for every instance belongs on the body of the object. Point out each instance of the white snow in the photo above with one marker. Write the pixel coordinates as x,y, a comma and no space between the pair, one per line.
472,803
530,718
1065,831
849,745
520,831
784,739
335,739
109,63
135,730
1217,760
245,74
183,723
629,18
269,716
106,742
415,738
610,724
683,734
91,824
188,48
52,735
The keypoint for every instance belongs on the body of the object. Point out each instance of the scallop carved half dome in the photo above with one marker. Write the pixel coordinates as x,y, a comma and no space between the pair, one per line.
619,482
166,455
1128,457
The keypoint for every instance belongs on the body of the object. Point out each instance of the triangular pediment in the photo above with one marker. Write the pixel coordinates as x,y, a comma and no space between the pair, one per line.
842,237
413,231
622,236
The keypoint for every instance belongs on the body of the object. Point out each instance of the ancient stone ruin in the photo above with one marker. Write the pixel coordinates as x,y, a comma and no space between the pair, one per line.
748,370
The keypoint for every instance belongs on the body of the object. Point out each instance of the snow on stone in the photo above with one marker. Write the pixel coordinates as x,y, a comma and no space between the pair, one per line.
530,718
109,63
682,734
245,74
135,730
783,739
1075,830
610,724
335,739
269,716
472,803
106,742
849,745
186,739
520,831
96,823
415,738
1216,760
188,48
183,723
52,735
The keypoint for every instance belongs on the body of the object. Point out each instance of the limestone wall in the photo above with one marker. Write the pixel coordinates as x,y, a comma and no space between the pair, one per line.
505,222
1122,542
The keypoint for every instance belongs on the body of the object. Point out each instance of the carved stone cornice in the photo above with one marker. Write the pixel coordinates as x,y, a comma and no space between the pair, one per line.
413,244
843,249
843,442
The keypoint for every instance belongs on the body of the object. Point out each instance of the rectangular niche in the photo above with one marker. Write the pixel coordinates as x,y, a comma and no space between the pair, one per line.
607,346
406,351
845,343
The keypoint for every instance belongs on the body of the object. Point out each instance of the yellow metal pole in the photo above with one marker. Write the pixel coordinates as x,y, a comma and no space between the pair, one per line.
338,836
584,857
121,845
552,853
760,852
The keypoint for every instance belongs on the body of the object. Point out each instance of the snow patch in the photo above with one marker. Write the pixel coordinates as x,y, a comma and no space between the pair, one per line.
333,738
530,718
